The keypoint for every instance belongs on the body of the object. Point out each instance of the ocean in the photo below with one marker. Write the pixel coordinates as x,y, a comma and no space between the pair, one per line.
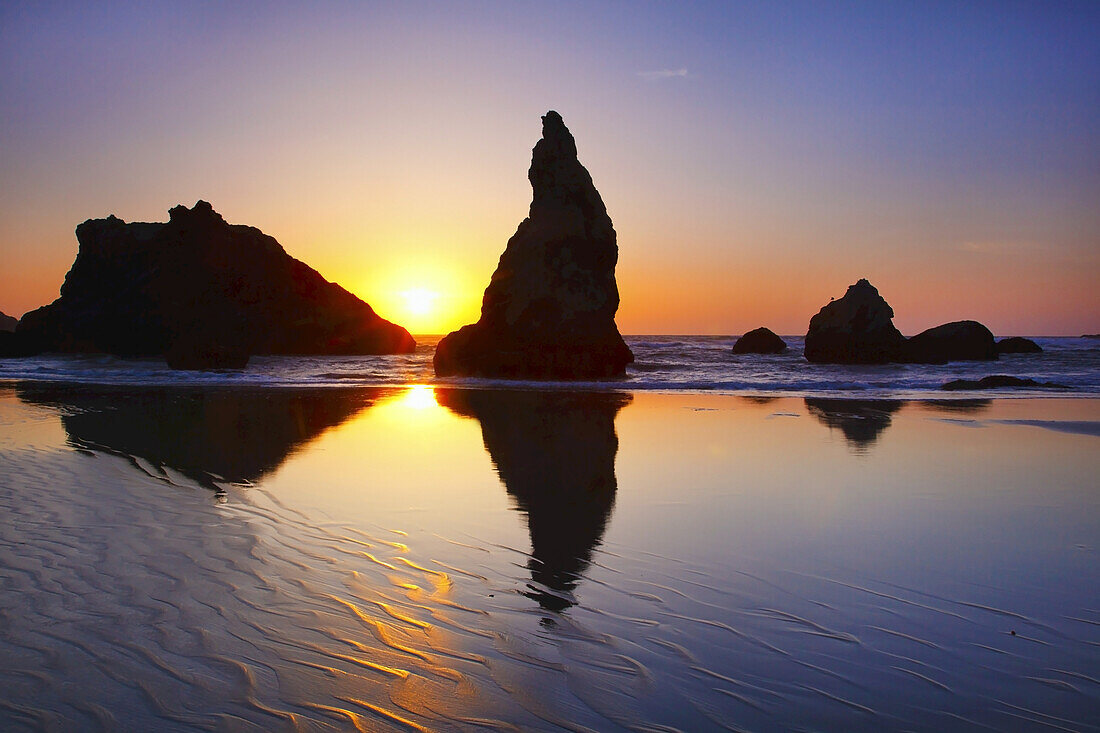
708,543
662,363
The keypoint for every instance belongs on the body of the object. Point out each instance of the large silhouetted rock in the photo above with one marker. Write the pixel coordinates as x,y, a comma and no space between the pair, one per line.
760,341
958,341
549,309
1018,345
857,329
147,289
7,323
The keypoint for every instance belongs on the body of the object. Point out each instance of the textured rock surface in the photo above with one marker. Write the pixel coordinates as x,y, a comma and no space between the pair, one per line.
957,341
141,289
857,329
1018,345
7,323
760,341
998,381
549,309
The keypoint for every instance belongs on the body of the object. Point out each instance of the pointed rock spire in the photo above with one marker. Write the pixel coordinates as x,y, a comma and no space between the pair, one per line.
549,309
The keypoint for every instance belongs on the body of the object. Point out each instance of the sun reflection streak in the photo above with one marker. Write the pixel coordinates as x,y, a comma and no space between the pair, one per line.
419,397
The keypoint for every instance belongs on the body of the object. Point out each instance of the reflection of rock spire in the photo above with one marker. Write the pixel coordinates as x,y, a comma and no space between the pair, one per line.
235,435
555,454
861,421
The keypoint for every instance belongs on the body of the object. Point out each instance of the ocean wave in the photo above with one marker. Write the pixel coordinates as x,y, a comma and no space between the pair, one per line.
698,363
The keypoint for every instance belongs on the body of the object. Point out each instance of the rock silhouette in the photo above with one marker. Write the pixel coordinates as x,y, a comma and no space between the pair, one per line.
549,309
760,341
138,289
555,454
958,341
857,329
209,436
860,421
1018,345
7,323
998,381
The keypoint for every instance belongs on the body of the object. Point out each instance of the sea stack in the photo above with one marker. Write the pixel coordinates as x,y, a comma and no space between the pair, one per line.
204,293
549,309
760,341
857,329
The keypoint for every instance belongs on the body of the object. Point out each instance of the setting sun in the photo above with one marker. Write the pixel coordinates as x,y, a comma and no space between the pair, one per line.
420,301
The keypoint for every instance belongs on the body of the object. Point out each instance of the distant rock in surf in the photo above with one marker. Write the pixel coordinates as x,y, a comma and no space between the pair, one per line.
957,341
549,309
7,323
760,341
199,284
997,381
1018,345
857,329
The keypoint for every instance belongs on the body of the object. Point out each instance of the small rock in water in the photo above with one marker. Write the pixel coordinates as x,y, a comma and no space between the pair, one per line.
760,341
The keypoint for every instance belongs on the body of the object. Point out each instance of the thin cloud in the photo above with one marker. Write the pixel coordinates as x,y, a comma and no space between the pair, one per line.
664,74
1000,247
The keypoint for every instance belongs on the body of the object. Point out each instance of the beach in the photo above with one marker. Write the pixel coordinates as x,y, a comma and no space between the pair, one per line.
442,558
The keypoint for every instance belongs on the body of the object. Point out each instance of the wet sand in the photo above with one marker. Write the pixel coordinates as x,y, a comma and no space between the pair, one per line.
409,558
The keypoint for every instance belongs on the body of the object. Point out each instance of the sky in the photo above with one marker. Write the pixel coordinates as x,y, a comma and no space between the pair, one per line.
755,158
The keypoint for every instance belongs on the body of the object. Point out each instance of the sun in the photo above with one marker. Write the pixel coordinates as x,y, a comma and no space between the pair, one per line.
419,301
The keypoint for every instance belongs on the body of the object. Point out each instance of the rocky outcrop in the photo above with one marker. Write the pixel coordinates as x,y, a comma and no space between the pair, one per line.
857,329
998,381
1018,345
202,352
197,283
7,323
957,341
760,341
549,309
14,345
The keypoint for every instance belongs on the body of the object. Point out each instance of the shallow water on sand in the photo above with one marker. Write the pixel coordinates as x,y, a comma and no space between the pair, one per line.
441,559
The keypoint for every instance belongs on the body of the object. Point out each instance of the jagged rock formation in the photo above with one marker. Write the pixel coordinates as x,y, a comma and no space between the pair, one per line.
198,283
1018,345
7,323
857,329
760,341
957,341
549,309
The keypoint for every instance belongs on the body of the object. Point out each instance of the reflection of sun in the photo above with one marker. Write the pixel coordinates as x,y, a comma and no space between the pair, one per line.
419,301
419,397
